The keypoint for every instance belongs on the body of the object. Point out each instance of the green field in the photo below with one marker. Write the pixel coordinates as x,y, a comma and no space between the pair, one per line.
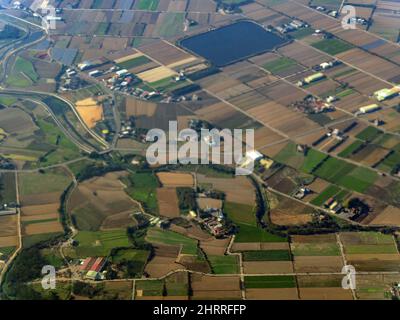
258,282
332,46
320,281
23,74
289,156
316,249
151,287
279,65
8,194
28,241
142,187
333,169
350,149
306,163
361,238
371,249
312,159
256,234
172,24
391,162
151,5
135,62
360,179
302,33
329,192
240,213
37,183
369,134
99,243
267,255
102,28
347,175
5,252
78,166
62,148
189,246
133,260
224,264
7,100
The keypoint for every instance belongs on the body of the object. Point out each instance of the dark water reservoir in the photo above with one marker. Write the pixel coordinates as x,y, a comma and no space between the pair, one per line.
232,43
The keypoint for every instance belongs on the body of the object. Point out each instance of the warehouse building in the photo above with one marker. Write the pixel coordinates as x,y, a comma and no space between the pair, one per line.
384,94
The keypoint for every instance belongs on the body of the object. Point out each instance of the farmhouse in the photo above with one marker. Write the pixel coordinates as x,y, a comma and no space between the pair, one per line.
92,267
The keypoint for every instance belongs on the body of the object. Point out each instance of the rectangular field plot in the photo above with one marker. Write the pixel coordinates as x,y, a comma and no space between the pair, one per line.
224,264
267,255
258,282
322,287
315,245
375,287
371,251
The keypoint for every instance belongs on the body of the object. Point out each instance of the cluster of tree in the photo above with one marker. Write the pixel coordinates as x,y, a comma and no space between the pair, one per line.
26,267
137,237
187,199
95,170
87,290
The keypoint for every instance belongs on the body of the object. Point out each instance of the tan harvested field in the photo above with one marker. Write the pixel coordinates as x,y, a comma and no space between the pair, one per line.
318,263
160,266
205,203
209,283
390,217
42,227
193,231
8,241
40,199
156,74
282,218
215,247
168,203
255,246
90,111
165,53
283,119
325,294
136,107
303,54
238,189
45,209
267,267
163,261
272,294
320,238
128,57
8,225
318,185
175,179
285,211
102,203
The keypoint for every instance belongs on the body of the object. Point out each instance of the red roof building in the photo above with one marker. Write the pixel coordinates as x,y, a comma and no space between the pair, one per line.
86,264
98,265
